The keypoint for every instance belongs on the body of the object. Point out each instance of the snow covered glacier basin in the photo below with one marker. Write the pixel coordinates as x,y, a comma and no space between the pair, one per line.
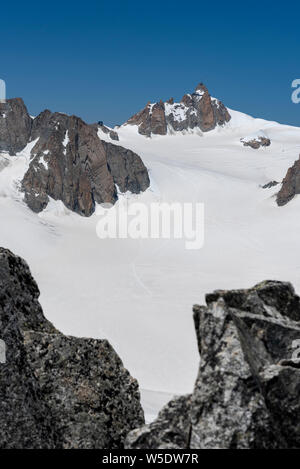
139,293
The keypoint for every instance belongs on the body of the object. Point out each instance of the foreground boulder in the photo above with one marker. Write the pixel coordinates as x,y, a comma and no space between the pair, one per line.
57,391
197,111
247,394
70,163
15,126
290,184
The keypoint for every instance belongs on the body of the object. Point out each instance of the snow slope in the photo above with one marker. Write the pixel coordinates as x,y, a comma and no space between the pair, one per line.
139,293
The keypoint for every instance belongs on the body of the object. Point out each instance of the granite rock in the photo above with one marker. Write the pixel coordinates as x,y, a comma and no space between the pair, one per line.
57,391
247,394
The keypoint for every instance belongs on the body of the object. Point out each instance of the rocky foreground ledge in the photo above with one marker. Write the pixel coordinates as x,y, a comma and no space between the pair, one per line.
57,391
247,394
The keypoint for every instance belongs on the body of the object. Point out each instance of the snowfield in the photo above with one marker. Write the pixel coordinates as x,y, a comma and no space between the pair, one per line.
139,293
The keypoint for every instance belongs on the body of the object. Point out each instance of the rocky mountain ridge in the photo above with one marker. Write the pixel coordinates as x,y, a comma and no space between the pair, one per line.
197,110
69,162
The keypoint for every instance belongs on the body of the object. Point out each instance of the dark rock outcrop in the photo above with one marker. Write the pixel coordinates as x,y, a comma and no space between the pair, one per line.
171,429
270,184
127,169
256,143
25,419
70,163
290,184
195,111
247,394
57,391
15,126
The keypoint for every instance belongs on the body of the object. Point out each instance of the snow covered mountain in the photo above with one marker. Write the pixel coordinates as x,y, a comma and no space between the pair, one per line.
196,112
68,160
139,293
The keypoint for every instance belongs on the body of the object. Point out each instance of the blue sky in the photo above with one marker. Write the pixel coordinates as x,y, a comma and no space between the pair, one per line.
105,60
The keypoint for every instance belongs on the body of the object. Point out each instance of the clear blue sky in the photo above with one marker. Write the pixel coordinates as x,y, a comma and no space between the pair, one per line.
104,60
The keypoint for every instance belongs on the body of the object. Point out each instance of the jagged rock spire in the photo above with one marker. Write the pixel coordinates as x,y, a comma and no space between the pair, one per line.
196,111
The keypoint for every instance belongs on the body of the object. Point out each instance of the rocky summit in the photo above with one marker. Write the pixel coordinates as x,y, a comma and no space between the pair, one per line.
196,111
69,161
247,394
57,391
290,184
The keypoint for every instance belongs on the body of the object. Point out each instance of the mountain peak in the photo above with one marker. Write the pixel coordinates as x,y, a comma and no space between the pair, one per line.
201,88
196,111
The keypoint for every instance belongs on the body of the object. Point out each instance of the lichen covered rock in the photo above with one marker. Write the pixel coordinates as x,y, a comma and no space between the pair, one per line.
171,429
247,394
57,391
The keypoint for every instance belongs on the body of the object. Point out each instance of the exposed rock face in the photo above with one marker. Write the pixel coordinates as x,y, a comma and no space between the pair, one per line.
112,133
195,111
15,126
290,184
256,143
25,420
158,120
57,391
3,162
70,163
127,169
247,394
171,429
69,160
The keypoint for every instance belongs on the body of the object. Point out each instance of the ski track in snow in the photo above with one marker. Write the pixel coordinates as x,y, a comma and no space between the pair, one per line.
139,293
138,279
